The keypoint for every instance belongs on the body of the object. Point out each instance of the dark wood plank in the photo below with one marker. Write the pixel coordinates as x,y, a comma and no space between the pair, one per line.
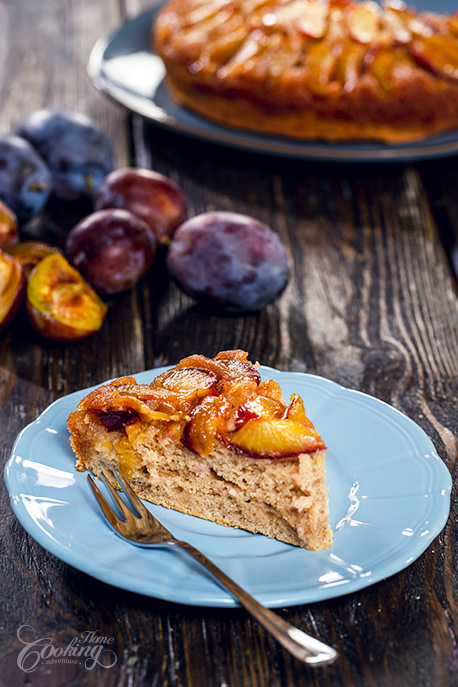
440,180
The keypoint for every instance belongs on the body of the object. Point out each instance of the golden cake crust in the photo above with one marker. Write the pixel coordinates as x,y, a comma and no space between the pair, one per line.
211,439
327,69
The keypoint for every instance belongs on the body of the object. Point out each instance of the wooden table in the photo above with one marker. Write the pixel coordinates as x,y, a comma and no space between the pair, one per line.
372,305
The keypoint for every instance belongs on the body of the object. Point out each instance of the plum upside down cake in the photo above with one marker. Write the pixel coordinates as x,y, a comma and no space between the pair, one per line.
212,439
313,69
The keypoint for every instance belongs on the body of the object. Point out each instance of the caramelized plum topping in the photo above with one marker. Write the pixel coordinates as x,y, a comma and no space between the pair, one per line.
439,54
188,381
275,438
296,412
243,414
386,64
148,403
321,62
224,368
238,392
260,406
115,420
206,424
204,402
349,64
240,368
270,388
363,21
313,18
234,354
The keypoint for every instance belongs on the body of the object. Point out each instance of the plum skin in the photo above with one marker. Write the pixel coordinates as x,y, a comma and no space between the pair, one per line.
152,196
112,249
25,179
229,261
78,153
12,289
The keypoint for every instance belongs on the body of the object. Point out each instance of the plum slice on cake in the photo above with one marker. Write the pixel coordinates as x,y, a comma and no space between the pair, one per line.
211,438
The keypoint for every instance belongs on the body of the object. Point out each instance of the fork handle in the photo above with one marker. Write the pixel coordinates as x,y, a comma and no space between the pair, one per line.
302,646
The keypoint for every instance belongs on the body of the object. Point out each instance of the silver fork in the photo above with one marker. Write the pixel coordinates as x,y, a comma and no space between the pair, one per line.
143,529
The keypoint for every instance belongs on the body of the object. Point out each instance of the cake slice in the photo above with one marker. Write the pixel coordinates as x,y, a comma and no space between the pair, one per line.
212,439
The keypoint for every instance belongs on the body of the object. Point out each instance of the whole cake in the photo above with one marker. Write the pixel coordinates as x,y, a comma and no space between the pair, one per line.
313,69
210,438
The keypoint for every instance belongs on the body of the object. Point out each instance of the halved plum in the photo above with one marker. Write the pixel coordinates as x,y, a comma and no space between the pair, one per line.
9,232
30,253
12,283
61,305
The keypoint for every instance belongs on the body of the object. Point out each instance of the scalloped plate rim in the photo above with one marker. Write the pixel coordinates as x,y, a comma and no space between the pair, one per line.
208,594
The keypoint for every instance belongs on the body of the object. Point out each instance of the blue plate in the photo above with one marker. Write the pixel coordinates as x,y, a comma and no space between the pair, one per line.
123,65
389,497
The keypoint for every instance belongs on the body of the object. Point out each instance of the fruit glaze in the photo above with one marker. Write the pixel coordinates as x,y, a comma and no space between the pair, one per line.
206,401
